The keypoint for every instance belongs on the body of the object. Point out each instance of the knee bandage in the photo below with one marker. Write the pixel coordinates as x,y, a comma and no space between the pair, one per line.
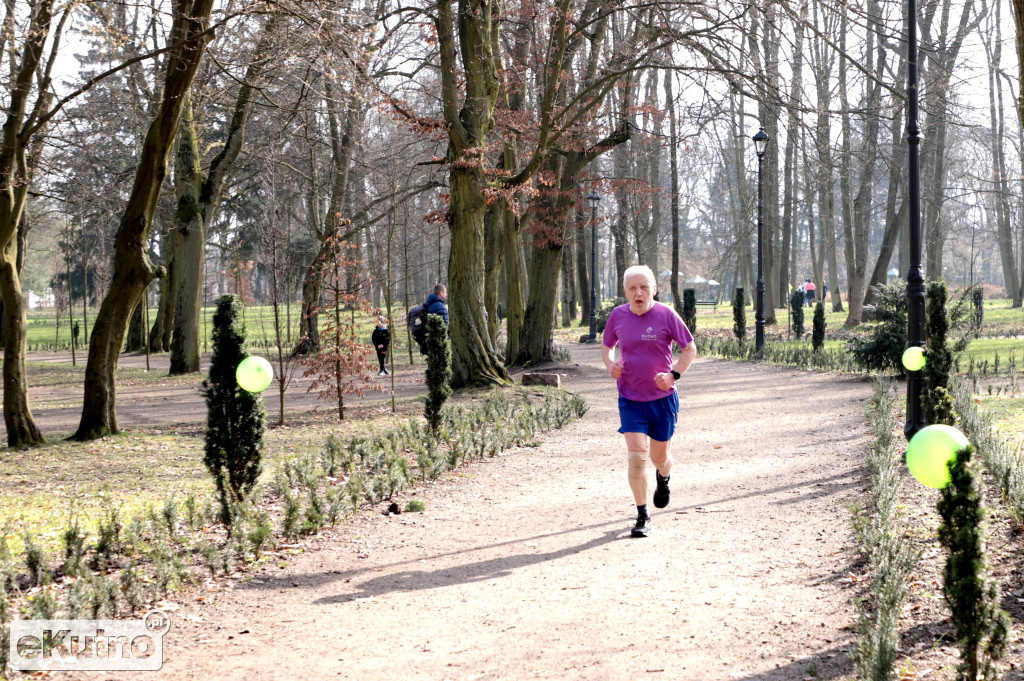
665,467
637,466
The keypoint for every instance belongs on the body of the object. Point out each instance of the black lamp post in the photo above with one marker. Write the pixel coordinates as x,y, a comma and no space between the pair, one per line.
760,145
593,198
915,277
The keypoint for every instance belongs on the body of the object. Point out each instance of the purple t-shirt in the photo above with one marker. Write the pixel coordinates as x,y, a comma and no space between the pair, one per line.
645,348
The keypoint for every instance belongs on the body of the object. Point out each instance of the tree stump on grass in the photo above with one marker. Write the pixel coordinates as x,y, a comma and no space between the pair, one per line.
542,379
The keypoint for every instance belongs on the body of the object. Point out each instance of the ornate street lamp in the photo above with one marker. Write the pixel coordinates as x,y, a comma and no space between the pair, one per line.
915,277
760,145
593,198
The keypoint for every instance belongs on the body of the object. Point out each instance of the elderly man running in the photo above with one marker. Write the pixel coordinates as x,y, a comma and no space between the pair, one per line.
644,331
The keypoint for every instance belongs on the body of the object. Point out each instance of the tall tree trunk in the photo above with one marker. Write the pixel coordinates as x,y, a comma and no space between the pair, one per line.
768,116
816,255
740,200
790,177
651,222
475,360
21,427
198,198
163,321
494,225
894,218
188,223
536,340
135,339
1018,22
15,178
670,102
344,128
942,58
583,255
1000,199
822,56
867,160
619,225
845,170
568,282
133,270
515,278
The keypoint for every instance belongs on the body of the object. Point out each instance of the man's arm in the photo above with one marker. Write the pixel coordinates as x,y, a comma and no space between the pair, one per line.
686,358
608,357
666,380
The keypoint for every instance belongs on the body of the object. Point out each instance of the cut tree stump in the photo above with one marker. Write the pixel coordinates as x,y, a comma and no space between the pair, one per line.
542,379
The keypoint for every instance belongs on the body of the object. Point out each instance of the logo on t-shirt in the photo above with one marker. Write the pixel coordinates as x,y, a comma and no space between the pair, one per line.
649,334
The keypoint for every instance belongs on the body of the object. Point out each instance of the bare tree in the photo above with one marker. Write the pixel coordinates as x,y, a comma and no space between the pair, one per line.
133,270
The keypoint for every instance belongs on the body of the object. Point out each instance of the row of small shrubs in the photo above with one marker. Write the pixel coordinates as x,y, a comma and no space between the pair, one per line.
885,541
980,626
997,367
319,490
130,562
1004,461
778,352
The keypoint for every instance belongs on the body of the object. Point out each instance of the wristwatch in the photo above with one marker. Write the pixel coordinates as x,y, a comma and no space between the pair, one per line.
676,374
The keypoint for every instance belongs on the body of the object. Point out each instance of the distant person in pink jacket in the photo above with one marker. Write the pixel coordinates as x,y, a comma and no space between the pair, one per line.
643,331
809,292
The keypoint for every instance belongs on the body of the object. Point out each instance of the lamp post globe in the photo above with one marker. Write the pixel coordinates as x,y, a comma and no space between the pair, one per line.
593,198
760,146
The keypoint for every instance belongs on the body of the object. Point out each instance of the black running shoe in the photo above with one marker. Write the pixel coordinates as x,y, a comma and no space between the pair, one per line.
662,493
643,525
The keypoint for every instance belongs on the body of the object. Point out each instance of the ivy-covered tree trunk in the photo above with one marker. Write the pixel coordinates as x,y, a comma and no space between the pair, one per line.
475,360
469,119
536,344
133,270
190,224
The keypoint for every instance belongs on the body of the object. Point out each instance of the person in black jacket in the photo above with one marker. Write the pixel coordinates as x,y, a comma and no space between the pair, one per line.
381,340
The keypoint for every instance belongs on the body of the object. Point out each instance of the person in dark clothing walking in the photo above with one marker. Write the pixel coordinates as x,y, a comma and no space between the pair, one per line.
381,340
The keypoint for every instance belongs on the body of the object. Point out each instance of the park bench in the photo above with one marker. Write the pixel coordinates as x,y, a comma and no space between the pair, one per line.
708,303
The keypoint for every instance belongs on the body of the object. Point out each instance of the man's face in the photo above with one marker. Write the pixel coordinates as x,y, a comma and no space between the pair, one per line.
640,293
443,295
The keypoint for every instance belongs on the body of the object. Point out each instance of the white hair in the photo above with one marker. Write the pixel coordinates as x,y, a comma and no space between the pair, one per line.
639,269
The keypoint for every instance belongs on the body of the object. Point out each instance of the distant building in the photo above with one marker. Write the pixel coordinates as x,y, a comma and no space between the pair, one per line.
34,301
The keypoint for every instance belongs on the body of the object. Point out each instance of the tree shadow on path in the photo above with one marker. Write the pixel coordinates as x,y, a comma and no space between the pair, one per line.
501,566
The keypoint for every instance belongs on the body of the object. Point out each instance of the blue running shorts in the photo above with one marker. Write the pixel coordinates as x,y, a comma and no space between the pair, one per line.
656,419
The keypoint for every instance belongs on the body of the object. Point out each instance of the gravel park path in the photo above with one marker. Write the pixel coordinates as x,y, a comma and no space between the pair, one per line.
522,566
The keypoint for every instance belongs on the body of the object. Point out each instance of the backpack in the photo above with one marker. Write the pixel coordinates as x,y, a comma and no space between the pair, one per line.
417,319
